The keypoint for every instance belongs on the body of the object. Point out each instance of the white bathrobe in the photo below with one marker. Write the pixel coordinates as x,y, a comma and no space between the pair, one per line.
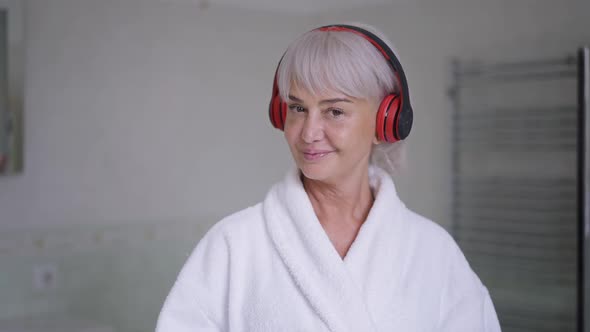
272,267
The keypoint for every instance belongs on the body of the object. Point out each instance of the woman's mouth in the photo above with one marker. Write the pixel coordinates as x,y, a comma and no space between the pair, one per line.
315,155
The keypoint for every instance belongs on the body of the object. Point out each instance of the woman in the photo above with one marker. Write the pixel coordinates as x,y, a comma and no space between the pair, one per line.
331,247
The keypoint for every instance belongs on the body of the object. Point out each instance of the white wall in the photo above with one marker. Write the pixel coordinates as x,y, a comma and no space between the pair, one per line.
150,110
146,110
426,35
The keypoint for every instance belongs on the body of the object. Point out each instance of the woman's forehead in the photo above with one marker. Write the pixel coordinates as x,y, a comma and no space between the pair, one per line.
307,94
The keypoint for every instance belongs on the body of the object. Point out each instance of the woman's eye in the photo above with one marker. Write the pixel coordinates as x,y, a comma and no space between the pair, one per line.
336,112
297,108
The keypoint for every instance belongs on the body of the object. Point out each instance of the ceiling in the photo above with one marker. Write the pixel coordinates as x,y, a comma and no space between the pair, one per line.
291,6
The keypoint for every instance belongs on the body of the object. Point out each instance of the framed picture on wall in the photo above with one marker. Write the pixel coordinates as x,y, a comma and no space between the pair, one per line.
11,86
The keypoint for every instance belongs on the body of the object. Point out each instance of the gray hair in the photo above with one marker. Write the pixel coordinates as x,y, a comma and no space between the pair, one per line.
323,61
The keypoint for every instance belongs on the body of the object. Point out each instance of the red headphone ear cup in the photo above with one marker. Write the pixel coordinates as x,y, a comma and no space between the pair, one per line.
271,113
381,115
277,112
283,114
386,115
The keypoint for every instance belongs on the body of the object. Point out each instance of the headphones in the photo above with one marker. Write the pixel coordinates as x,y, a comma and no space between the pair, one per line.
395,115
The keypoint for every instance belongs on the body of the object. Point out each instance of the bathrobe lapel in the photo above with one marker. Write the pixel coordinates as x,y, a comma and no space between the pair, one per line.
333,287
378,256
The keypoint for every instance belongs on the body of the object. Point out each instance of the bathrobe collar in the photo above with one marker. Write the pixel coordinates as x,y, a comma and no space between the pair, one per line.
344,293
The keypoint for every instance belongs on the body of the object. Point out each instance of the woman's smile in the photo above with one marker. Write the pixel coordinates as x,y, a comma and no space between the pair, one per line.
315,155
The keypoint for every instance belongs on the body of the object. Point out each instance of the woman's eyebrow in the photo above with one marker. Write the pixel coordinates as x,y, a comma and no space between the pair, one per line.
325,101
335,100
293,98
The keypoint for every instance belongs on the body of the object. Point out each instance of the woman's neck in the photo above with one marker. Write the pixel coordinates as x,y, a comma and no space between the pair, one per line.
341,207
347,201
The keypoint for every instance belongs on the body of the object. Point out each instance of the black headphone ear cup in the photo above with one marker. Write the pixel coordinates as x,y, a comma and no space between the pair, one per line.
404,122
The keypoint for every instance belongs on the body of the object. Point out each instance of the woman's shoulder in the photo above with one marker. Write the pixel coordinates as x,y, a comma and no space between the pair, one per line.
436,245
236,229
436,248
433,243
428,231
238,222
215,245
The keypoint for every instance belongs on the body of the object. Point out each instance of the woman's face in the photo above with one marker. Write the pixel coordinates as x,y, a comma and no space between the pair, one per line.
330,135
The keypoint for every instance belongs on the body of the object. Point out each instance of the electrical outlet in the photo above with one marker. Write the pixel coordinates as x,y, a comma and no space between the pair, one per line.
45,277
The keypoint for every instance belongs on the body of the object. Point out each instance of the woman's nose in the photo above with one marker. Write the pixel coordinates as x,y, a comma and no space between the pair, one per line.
312,130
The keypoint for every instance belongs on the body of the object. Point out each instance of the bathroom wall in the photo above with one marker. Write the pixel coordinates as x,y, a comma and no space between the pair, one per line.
146,122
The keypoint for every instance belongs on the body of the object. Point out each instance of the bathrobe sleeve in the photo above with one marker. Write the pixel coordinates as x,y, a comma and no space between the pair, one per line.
466,305
197,300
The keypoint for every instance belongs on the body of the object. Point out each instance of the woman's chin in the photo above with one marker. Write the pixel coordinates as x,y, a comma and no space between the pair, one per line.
316,171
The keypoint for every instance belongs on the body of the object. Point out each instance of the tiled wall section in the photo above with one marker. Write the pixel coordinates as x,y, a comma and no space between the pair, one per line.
117,275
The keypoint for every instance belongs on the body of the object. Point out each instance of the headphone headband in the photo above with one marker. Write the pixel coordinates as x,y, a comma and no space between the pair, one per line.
387,53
